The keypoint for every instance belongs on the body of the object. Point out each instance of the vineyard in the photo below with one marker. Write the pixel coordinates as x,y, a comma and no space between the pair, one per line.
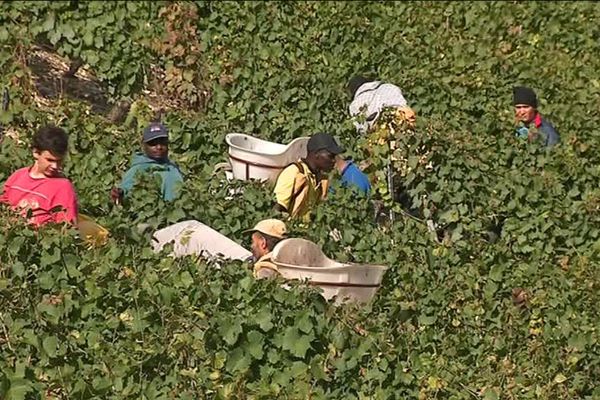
499,302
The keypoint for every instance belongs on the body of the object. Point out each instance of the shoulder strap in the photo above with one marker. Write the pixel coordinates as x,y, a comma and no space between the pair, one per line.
370,89
304,183
297,191
324,188
265,263
294,193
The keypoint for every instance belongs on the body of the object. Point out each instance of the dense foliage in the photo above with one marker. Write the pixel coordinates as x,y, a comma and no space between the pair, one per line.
500,302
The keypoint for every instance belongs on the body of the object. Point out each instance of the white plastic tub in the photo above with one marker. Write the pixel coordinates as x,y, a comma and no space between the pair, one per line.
195,238
302,259
253,158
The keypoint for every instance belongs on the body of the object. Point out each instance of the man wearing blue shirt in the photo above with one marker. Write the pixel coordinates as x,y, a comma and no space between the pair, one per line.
154,159
530,123
352,175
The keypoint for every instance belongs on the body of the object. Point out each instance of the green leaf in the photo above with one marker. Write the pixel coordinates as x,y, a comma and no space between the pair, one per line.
54,36
4,35
51,258
304,323
237,361
186,279
295,342
449,216
255,344
15,245
496,273
490,394
18,269
18,389
230,331
263,319
48,24
51,310
427,320
31,338
88,38
50,345
67,31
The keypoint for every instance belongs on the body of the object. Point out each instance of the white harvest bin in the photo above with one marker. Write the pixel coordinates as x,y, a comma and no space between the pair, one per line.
253,158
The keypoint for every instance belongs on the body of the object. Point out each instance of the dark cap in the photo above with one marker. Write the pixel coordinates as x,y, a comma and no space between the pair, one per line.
524,95
154,131
323,141
355,83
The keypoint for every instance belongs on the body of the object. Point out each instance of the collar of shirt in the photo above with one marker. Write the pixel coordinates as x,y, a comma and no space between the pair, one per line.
537,120
348,164
266,257
309,172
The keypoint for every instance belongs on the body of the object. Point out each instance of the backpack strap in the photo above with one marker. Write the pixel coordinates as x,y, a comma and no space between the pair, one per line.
323,184
370,90
296,191
324,188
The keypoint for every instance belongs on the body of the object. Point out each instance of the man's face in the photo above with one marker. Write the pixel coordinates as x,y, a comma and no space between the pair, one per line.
524,113
325,160
47,163
259,246
157,149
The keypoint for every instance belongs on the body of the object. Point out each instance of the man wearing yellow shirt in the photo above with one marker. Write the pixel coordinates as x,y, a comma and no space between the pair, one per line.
265,235
303,184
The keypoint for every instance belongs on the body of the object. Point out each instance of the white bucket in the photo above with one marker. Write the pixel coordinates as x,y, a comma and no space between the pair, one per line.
303,260
253,158
195,238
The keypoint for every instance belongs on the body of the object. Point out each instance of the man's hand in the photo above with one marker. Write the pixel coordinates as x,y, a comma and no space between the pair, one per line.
116,195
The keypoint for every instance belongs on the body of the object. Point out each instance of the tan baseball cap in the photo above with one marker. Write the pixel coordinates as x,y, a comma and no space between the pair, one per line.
271,227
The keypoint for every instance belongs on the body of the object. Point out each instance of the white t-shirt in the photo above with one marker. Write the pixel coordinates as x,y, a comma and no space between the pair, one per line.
371,98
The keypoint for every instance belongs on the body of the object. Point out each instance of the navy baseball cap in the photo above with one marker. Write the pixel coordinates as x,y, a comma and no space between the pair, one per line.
154,131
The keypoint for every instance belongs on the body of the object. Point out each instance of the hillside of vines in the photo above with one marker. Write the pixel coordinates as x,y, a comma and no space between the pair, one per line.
500,302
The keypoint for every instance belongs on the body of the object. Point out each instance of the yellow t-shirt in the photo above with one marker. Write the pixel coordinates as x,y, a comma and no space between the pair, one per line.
299,190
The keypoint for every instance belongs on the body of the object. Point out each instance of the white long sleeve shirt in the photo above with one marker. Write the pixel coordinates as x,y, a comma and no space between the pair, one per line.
371,98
